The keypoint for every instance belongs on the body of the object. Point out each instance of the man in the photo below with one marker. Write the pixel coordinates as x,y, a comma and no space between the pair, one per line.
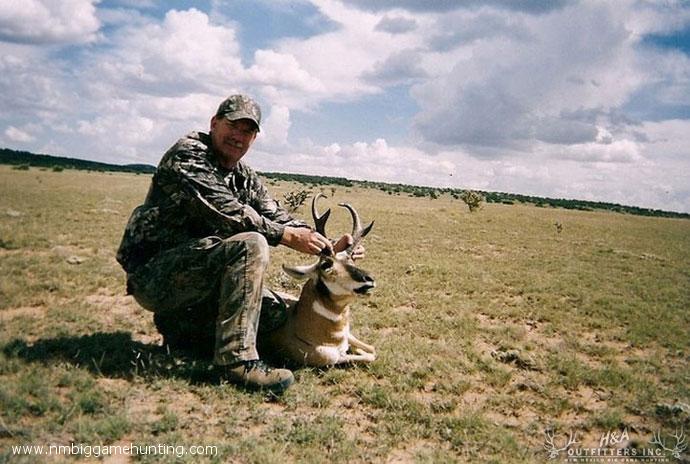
201,240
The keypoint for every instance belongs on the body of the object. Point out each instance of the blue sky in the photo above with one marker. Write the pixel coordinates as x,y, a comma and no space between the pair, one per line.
569,99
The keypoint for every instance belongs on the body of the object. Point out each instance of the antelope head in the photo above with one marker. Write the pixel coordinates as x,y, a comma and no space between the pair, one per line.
338,273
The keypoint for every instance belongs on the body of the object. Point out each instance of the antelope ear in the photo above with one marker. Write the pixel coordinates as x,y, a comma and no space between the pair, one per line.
301,272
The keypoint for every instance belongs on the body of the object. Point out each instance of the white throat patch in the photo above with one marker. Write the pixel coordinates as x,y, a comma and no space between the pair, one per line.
322,311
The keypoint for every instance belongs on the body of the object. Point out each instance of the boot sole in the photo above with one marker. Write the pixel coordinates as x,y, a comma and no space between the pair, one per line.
276,388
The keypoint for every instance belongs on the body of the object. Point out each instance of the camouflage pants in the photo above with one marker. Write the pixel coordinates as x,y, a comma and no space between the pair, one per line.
225,275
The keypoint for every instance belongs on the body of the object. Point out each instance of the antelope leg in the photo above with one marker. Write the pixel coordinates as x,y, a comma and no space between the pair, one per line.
357,343
353,358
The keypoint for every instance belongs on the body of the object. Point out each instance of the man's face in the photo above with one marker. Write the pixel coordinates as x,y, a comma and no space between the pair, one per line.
232,139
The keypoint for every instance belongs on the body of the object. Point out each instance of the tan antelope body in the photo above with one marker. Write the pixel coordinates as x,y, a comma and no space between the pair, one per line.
317,332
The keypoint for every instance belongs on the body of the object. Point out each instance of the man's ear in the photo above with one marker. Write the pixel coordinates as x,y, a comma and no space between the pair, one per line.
301,272
213,122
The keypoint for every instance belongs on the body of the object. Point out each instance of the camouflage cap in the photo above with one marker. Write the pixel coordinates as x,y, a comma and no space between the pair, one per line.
240,107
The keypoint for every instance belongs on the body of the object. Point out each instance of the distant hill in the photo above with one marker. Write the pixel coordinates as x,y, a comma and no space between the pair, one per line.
489,197
23,159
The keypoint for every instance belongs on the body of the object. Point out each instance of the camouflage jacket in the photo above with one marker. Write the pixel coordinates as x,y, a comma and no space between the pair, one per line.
192,196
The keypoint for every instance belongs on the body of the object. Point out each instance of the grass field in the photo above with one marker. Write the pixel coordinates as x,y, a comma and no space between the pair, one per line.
491,328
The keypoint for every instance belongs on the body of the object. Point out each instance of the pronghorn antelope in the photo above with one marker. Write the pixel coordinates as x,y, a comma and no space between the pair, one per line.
317,332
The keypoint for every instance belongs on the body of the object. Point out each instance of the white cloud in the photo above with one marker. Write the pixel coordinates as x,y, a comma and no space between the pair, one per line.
275,128
183,54
31,85
619,151
281,78
120,17
656,17
464,27
396,24
668,139
18,135
48,21
508,92
157,80
377,161
398,68
669,77
141,4
134,128
442,6
340,59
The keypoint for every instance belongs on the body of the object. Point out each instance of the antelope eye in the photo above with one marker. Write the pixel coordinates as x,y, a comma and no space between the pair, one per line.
326,264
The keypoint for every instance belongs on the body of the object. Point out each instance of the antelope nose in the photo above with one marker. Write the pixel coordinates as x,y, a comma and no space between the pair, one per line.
367,280
367,284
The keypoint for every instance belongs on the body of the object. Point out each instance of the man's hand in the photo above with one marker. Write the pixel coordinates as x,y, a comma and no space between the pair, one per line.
344,242
305,240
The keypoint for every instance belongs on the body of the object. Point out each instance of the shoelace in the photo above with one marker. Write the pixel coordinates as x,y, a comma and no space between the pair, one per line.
257,364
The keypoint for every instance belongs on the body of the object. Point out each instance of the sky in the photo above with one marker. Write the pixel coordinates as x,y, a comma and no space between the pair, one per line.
559,98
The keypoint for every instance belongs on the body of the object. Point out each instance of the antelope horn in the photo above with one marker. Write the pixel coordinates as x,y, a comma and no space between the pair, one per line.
357,232
320,221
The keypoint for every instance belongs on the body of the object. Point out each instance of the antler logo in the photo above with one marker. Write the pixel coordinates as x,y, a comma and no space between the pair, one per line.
554,450
680,446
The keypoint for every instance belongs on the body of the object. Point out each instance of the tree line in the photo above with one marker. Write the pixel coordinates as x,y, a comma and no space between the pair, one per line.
460,194
24,160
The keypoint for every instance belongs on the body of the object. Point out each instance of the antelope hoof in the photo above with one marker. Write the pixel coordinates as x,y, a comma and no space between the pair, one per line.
366,355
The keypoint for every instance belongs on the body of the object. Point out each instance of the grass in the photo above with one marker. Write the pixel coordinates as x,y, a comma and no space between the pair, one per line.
490,328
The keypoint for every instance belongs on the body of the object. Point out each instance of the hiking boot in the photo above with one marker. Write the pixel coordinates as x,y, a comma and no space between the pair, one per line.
256,375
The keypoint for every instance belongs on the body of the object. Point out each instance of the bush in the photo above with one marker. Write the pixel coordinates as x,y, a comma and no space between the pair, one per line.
295,199
472,199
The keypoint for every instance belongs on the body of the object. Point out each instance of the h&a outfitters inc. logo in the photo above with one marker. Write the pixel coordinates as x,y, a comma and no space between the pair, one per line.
615,446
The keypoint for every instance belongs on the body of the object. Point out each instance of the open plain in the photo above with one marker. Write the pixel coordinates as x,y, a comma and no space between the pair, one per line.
492,329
